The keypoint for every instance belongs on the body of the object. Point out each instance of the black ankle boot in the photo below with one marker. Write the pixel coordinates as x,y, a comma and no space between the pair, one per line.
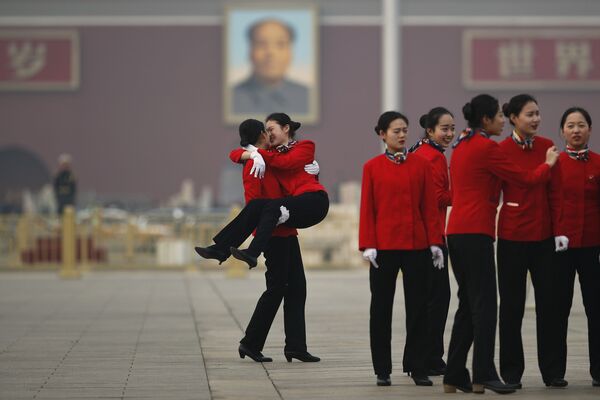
384,380
253,354
212,253
244,256
303,356
596,383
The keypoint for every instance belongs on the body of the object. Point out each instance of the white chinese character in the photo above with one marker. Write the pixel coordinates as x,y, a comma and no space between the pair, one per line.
576,54
26,60
515,59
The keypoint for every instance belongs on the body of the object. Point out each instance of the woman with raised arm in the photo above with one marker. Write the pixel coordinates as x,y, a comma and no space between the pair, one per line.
477,168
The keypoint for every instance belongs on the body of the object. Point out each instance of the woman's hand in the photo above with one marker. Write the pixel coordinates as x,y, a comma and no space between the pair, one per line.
551,156
371,255
258,166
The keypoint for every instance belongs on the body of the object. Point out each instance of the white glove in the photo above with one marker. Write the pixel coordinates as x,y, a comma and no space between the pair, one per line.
250,148
312,168
561,243
437,256
259,166
371,255
285,215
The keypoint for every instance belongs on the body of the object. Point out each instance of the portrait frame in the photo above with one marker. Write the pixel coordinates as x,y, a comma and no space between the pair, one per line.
68,43
300,85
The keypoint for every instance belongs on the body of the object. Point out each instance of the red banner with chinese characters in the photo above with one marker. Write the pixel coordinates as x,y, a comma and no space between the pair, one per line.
39,59
539,59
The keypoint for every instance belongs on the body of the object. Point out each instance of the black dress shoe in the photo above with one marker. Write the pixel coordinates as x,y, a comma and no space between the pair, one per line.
557,383
465,388
253,354
384,380
495,386
436,371
212,253
421,380
517,385
244,256
596,382
303,356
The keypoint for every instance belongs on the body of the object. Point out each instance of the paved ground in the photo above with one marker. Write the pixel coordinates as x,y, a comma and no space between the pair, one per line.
174,335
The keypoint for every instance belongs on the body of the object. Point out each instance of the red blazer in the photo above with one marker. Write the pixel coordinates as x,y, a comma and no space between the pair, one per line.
266,188
477,167
441,182
288,168
530,213
398,208
581,199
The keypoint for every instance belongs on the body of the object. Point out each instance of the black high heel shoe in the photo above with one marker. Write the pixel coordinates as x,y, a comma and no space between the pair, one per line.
303,356
557,383
212,253
244,256
253,354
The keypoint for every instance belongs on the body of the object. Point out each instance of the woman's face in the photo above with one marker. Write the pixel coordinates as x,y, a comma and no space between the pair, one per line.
493,126
528,120
443,133
278,135
395,136
576,131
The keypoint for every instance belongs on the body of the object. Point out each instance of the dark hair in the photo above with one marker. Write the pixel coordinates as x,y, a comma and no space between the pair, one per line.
516,104
282,120
385,119
432,118
480,106
252,29
579,110
250,131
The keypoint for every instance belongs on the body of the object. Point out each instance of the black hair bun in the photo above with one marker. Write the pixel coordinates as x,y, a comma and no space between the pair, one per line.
295,125
506,110
467,111
424,120
376,129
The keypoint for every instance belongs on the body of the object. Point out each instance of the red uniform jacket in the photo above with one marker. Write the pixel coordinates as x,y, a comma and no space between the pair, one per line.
530,213
441,182
288,168
266,188
476,170
398,208
581,200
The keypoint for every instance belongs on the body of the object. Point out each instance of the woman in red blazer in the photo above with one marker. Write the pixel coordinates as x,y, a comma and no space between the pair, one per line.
580,171
439,133
529,234
399,228
477,168
306,203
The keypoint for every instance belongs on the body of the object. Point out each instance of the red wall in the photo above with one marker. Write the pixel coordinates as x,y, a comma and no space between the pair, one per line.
148,112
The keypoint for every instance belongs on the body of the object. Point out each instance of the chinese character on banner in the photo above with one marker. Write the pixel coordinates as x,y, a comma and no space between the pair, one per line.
515,59
39,59
561,58
573,54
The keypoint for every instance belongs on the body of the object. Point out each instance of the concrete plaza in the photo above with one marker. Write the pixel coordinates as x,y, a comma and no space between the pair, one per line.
174,335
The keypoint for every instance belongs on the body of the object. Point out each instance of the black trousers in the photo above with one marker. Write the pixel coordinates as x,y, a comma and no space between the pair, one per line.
285,281
305,210
414,265
585,262
514,260
472,257
437,310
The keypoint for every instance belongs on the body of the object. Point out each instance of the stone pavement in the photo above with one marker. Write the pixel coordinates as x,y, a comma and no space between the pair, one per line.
174,335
